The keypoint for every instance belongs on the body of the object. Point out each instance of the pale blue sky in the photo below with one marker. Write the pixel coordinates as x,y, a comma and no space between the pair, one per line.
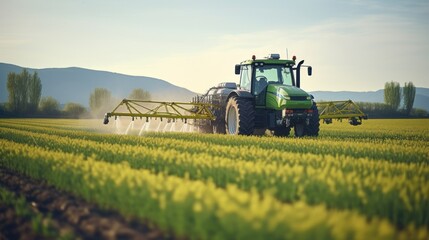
352,45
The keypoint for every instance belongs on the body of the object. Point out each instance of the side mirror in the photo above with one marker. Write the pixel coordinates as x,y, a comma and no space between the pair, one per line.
309,70
237,69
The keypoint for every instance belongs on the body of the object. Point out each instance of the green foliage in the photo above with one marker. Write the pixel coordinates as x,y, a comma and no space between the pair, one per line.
100,101
49,106
139,94
24,92
74,110
41,225
392,94
379,110
14,96
419,113
19,203
409,93
351,182
34,93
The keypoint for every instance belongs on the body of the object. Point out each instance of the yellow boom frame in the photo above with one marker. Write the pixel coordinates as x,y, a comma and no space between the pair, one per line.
167,110
199,110
340,110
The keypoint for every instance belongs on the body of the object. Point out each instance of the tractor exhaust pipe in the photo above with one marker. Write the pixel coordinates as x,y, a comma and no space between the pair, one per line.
298,74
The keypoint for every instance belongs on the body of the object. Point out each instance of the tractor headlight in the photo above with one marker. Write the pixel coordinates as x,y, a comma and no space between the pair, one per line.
309,98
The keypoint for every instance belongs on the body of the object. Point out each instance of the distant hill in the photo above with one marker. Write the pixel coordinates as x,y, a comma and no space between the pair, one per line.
421,100
76,84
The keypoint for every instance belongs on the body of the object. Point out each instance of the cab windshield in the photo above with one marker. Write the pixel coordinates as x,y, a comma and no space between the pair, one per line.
274,74
267,74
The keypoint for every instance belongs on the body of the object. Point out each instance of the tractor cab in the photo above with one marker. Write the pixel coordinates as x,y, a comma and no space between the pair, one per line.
272,81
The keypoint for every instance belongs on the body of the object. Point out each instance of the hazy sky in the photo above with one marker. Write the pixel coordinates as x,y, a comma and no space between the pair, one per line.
352,45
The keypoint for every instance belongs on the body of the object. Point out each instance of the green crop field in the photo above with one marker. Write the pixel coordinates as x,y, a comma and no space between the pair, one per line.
364,182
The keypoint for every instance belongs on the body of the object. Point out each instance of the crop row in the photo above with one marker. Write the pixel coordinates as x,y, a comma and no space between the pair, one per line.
412,152
397,191
192,207
400,131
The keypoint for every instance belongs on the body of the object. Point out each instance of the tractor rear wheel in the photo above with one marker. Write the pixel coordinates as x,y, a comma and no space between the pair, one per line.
312,129
240,116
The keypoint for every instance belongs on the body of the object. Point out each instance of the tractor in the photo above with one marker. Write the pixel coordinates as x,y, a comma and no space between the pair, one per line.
268,97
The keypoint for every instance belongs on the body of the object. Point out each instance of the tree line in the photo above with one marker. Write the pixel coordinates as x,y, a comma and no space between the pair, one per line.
24,92
393,95
391,108
25,99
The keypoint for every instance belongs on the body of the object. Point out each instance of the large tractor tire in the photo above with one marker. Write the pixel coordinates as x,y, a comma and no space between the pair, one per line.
240,116
282,131
312,129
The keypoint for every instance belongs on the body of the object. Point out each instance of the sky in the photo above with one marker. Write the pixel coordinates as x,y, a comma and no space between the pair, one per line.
354,45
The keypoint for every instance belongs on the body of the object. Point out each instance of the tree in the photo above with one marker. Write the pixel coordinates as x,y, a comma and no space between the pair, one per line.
12,80
409,93
139,94
49,106
100,101
23,86
34,92
24,92
392,95
74,110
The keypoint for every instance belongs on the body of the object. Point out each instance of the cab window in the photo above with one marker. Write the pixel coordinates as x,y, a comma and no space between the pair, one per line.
274,74
245,77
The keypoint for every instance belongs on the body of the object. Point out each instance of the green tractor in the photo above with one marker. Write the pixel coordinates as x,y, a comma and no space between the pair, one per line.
268,97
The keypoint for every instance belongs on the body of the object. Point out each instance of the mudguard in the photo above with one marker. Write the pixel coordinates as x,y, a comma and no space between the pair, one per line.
240,93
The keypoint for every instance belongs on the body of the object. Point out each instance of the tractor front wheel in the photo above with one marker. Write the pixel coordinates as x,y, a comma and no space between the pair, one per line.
240,116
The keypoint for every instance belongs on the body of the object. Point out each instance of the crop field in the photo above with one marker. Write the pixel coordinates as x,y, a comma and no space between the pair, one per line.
364,182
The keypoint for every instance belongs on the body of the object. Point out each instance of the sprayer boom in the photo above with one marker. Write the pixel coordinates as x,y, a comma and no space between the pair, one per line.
341,110
167,110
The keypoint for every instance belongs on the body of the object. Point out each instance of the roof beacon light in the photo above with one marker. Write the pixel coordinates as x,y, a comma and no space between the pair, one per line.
253,57
274,56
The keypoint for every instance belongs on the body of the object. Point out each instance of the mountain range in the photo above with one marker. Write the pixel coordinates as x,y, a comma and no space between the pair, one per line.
76,84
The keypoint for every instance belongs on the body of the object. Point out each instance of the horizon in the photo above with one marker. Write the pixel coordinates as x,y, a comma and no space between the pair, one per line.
352,46
107,71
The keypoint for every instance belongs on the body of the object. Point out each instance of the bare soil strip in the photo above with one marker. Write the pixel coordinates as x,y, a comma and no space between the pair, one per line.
83,219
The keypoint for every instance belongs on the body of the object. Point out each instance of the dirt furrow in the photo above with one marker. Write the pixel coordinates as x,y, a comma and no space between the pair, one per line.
69,213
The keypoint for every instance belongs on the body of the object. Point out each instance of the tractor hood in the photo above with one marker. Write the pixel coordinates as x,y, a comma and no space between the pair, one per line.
283,96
